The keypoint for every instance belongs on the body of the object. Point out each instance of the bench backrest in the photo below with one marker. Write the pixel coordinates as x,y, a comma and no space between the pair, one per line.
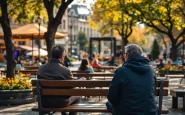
34,72
85,72
58,87
31,67
93,74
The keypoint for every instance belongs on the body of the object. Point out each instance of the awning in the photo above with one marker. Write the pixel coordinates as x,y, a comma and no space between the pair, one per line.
35,53
31,31
23,47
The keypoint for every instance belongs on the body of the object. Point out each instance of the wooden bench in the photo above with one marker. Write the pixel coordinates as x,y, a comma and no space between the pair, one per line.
32,72
95,75
58,88
31,67
105,68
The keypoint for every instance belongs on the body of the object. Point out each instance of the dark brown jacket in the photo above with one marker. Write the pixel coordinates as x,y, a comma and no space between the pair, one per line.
54,70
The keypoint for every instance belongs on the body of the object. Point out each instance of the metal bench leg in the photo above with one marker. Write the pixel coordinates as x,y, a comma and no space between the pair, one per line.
174,102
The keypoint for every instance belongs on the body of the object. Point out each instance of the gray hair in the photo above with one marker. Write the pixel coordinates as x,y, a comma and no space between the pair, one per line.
133,50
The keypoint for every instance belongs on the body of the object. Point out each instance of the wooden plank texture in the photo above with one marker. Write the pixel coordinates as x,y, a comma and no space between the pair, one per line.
72,83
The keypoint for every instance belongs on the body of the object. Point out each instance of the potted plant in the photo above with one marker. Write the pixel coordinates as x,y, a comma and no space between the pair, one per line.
17,90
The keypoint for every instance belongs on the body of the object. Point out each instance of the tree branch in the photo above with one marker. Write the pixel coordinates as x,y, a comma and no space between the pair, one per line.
61,11
163,24
49,5
131,30
119,32
179,43
69,2
151,24
181,34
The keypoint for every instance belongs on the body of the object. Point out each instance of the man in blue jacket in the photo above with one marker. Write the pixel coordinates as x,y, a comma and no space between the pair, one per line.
132,89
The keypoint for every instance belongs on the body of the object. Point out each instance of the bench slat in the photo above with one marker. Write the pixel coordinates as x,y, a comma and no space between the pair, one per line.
72,83
82,92
82,83
92,74
86,108
73,92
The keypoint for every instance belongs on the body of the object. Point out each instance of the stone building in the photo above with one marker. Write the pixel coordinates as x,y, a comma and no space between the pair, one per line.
78,21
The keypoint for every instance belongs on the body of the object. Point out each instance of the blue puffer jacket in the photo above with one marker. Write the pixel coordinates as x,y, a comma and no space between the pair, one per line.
132,89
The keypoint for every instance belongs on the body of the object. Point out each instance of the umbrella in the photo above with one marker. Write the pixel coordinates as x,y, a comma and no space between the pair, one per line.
35,53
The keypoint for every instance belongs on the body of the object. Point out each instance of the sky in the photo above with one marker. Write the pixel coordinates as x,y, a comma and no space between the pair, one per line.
87,2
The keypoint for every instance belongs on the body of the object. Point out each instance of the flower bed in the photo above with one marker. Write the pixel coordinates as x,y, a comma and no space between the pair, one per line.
172,70
16,90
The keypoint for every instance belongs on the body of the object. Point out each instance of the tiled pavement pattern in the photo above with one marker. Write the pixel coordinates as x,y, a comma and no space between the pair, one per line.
26,109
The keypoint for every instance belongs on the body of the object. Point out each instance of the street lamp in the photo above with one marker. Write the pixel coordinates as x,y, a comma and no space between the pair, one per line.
183,50
71,26
39,22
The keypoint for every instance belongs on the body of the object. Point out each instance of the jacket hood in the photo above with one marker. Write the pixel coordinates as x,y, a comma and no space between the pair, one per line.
138,64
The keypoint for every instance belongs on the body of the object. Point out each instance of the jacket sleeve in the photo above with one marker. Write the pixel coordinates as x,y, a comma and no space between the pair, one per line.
114,89
69,75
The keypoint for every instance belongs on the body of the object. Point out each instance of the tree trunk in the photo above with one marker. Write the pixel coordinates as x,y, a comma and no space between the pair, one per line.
8,41
49,37
124,43
174,52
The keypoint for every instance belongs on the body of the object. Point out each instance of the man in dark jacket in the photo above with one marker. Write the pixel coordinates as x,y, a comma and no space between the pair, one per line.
132,89
54,70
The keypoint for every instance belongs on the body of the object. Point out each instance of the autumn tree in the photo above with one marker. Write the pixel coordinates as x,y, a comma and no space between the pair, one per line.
155,50
82,40
108,15
21,12
166,16
36,6
5,23
54,21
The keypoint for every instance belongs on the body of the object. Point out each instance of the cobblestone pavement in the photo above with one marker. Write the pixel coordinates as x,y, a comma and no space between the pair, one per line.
26,109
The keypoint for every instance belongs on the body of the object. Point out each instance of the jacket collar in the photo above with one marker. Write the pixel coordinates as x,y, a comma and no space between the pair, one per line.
53,60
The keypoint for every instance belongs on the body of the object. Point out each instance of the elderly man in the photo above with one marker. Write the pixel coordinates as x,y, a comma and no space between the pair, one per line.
132,89
55,70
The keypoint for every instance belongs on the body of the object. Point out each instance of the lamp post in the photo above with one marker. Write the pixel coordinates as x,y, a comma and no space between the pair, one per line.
183,49
71,38
39,22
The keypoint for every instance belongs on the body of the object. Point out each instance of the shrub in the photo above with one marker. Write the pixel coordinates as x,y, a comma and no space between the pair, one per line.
20,81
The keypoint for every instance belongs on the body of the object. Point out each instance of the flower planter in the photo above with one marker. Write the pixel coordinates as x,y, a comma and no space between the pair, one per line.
16,97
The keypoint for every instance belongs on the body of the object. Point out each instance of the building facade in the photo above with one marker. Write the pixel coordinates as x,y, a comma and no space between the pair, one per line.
78,22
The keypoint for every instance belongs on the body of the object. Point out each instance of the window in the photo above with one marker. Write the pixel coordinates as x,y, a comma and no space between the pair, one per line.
21,43
80,28
84,29
64,24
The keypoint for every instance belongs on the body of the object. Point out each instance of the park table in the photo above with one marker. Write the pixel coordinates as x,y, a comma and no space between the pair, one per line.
178,92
